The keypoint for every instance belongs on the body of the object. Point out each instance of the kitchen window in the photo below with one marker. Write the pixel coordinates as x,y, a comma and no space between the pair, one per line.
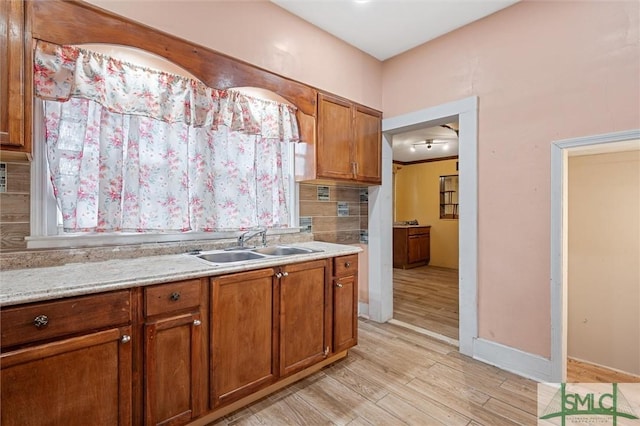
165,158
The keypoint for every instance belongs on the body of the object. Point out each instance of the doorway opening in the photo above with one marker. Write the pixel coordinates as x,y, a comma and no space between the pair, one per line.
425,231
566,285
380,307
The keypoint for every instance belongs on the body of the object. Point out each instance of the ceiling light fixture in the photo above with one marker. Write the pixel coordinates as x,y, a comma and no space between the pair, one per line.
429,143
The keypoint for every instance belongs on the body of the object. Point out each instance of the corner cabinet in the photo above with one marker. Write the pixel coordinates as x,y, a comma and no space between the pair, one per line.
67,361
348,146
12,62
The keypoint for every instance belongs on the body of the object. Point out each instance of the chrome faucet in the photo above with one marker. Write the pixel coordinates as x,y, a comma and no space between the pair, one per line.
247,235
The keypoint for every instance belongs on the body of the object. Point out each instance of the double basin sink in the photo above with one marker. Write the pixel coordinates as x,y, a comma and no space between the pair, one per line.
244,255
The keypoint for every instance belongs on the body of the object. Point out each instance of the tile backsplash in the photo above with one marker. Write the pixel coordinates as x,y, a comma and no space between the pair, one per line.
14,206
335,213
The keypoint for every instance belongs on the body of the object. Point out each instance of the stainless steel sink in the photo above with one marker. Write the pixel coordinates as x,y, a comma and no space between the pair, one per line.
231,256
244,255
283,250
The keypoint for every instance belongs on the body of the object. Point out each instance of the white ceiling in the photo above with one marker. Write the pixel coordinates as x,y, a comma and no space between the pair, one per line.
385,28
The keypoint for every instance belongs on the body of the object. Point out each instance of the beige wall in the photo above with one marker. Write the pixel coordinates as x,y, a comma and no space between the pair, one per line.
265,35
542,71
417,196
604,260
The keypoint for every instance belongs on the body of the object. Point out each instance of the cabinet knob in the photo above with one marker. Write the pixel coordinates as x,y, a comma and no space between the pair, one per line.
339,285
285,274
347,264
175,296
278,274
41,321
125,339
197,322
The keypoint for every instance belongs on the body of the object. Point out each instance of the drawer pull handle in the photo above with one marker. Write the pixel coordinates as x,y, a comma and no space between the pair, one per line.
175,296
347,264
41,321
339,285
196,322
125,339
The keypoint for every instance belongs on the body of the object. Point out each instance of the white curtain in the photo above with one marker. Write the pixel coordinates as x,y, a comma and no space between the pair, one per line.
133,149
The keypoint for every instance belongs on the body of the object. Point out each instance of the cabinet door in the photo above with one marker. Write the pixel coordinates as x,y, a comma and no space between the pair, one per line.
418,248
242,324
335,137
303,307
368,145
175,374
69,381
11,73
345,312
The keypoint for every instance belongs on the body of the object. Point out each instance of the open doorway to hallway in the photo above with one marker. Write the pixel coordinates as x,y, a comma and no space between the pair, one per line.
425,230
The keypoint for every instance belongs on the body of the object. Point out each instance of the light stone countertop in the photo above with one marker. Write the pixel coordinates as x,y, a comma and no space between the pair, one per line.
75,279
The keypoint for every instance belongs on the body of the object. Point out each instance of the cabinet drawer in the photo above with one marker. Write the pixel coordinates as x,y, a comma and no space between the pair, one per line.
171,297
345,265
418,231
40,321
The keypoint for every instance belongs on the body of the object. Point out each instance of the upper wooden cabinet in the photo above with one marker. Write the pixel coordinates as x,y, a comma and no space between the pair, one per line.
12,110
348,146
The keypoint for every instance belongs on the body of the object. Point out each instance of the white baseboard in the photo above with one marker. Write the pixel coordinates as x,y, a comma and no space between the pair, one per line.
514,360
363,310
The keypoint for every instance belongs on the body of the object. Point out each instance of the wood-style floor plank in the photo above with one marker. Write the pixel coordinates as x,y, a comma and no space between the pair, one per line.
427,297
397,377
584,372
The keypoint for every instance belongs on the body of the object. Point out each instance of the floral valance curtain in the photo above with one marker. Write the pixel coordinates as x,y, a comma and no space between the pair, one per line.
135,149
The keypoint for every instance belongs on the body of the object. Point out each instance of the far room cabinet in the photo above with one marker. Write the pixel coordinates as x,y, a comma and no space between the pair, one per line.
242,340
349,141
411,246
175,353
303,315
345,302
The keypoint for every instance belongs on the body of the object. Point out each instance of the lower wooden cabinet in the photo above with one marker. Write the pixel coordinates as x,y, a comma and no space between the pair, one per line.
175,353
243,345
345,302
66,361
74,381
303,308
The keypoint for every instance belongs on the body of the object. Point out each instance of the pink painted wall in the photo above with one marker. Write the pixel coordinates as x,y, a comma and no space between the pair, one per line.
263,34
542,71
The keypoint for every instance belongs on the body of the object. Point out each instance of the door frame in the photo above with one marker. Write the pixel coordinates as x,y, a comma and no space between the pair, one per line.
559,238
380,307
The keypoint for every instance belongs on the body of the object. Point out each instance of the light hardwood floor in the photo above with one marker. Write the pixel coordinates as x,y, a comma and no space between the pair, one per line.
427,297
398,377
583,372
